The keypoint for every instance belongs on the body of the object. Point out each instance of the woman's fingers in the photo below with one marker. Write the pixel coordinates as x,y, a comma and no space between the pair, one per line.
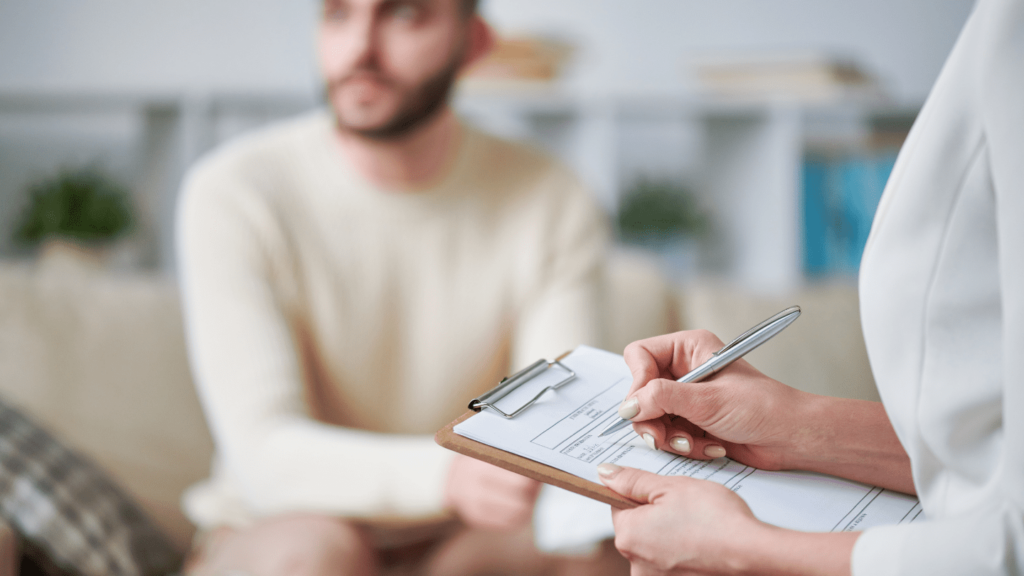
647,360
682,526
680,436
652,431
697,402
637,485
739,412
660,397
669,356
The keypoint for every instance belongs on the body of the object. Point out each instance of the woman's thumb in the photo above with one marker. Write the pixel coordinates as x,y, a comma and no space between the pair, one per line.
634,484
657,398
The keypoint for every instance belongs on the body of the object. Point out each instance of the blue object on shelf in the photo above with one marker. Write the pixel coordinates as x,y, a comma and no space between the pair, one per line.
841,194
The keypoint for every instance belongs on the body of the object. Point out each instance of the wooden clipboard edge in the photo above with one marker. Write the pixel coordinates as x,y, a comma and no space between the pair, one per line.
447,438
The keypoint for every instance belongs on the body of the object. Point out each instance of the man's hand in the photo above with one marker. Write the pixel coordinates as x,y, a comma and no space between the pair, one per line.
485,496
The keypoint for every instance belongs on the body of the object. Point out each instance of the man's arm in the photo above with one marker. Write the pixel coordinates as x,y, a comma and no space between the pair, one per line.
249,377
563,309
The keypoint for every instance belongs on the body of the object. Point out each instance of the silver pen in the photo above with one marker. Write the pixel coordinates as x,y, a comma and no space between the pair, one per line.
729,353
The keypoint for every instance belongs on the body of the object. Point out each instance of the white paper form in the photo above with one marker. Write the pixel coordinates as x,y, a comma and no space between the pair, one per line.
561,430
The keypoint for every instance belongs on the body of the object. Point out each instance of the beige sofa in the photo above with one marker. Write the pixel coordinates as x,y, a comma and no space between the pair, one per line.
100,358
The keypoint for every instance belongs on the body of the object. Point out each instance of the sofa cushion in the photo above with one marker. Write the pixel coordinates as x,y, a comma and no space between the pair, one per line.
99,359
638,300
66,507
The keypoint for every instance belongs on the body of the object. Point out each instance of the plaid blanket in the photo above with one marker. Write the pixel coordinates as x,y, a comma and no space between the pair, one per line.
65,507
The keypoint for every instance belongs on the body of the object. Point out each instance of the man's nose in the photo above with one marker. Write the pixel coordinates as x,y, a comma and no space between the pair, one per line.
362,41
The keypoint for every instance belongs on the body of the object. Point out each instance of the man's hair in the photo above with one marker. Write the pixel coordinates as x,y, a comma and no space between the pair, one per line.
468,7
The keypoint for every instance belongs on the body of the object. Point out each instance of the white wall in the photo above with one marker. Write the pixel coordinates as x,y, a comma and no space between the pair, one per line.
191,50
157,45
641,46
628,46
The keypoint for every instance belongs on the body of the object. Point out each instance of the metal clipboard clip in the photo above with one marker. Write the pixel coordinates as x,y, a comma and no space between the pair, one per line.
490,398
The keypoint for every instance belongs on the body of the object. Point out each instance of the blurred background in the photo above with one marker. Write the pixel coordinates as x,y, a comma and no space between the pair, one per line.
742,144
745,140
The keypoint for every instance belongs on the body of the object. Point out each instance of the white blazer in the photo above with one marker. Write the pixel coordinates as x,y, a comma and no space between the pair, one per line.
942,300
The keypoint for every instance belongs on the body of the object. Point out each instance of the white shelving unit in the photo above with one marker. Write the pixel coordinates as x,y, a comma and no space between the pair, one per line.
743,159
170,132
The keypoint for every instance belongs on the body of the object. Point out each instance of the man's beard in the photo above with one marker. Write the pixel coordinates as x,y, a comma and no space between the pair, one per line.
417,106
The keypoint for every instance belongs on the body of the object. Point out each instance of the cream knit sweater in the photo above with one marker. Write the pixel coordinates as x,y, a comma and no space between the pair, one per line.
334,326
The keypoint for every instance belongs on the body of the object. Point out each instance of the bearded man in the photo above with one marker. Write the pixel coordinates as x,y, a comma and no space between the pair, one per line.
351,278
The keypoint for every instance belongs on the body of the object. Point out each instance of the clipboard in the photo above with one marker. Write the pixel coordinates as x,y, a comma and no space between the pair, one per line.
447,438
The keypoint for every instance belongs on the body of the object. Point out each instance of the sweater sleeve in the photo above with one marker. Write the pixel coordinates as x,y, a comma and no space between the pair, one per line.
562,310
249,377
991,540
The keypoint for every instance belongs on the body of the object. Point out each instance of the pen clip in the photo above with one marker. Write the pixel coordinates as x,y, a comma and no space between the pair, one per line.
781,316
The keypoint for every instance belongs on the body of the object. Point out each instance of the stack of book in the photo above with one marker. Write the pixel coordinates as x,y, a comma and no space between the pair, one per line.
804,77
840,195
520,61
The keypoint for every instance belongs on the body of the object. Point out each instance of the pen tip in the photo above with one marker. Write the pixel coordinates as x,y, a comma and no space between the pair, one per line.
614,427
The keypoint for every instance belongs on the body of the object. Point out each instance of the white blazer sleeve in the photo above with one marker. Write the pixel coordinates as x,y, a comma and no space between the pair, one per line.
990,541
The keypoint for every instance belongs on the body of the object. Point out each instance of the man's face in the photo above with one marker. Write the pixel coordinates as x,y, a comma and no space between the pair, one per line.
389,64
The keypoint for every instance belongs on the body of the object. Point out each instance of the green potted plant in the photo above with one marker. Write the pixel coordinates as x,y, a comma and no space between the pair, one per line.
664,216
83,207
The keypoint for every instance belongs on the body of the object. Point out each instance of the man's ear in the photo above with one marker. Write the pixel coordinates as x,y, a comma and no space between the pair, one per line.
481,41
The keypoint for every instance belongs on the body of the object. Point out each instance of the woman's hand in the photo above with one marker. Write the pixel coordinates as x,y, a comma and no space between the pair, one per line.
688,526
753,419
684,526
485,496
738,412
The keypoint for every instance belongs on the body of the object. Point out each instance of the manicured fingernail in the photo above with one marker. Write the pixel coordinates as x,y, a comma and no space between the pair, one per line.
714,451
629,409
608,470
680,444
650,441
